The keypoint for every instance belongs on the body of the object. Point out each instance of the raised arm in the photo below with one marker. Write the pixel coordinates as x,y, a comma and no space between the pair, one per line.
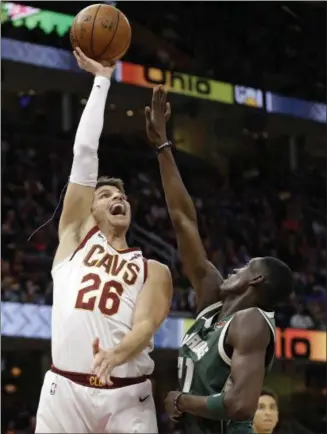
205,278
249,335
152,307
84,173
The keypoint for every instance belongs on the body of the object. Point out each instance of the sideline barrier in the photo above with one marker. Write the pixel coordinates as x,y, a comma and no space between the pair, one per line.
34,322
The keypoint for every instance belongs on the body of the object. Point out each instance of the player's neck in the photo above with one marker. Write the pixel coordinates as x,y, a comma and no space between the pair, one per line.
115,237
235,303
118,243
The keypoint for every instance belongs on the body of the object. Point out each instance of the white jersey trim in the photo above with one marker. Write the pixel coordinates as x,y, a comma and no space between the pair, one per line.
208,309
221,341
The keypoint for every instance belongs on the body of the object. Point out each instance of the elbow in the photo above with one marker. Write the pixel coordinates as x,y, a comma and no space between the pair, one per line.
177,218
181,220
239,408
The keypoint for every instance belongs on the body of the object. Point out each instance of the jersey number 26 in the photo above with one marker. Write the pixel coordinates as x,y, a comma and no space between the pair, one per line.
110,295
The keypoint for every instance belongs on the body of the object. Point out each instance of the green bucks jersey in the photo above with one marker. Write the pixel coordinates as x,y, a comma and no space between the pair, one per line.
204,366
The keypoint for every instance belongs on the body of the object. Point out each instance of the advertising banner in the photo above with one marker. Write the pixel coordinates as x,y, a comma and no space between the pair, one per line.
176,82
314,111
33,321
42,56
48,21
248,96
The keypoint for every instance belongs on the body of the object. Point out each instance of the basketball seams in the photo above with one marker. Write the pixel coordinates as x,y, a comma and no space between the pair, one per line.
92,30
113,36
124,50
95,27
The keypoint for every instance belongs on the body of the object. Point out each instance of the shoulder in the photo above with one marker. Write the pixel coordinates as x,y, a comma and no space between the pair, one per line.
158,276
249,326
157,267
73,238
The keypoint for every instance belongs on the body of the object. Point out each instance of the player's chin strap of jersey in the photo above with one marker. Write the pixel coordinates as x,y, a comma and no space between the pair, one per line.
215,403
85,162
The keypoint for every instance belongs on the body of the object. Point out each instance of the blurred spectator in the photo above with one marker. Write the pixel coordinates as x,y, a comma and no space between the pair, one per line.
301,320
249,218
266,416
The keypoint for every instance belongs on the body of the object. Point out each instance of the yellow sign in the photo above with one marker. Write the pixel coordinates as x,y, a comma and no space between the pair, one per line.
176,82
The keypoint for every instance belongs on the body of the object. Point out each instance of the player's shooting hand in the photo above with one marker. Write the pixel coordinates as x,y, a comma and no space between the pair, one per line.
104,69
157,116
104,361
170,405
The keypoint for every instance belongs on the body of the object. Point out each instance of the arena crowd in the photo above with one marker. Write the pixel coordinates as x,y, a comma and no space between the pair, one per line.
252,214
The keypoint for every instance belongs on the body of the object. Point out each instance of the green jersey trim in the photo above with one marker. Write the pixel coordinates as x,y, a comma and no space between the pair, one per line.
221,341
208,309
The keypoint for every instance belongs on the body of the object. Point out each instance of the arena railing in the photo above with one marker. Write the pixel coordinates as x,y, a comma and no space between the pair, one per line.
164,251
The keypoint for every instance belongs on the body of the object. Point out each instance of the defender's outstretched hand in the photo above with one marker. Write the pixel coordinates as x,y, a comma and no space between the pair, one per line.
157,116
104,69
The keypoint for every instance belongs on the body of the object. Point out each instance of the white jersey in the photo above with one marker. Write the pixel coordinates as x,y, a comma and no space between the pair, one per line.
94,295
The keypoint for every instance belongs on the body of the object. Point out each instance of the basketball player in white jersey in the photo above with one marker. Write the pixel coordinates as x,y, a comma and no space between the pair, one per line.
107,299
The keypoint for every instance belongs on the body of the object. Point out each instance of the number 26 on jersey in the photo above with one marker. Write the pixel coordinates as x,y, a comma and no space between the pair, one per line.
109,301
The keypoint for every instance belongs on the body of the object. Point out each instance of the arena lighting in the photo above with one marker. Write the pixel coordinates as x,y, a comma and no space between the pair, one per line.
129,113
15,371
10,388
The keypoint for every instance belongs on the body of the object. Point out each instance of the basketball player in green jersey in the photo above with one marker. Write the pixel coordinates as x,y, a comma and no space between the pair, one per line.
226,353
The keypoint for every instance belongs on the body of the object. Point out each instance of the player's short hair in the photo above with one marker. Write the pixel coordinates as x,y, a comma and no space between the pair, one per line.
278,284
115,182
266,391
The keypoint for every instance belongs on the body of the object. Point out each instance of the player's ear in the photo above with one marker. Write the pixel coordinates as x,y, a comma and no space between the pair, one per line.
256,280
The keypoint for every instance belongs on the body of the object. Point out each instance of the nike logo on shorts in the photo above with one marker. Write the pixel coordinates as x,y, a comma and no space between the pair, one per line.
143,399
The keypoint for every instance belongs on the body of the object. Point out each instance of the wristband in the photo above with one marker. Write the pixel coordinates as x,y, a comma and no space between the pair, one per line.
163,146
176,404
215,404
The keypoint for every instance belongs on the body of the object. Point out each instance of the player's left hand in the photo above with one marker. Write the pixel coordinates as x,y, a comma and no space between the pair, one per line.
170,405
157,116
104,361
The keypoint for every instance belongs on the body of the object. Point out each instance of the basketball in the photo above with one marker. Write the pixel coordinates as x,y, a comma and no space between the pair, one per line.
102,32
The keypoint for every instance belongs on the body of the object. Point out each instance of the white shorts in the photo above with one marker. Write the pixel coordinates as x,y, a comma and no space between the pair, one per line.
67,407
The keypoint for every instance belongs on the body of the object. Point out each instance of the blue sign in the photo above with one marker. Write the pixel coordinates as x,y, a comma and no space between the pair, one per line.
32,321
314,111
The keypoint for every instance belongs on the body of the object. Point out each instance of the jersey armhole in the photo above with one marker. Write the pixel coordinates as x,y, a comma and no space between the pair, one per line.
82,244
87,237
59,265
208,309
145,272
221,343
223,335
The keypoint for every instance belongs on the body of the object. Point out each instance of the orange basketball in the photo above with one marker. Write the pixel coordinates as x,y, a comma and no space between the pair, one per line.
102,32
